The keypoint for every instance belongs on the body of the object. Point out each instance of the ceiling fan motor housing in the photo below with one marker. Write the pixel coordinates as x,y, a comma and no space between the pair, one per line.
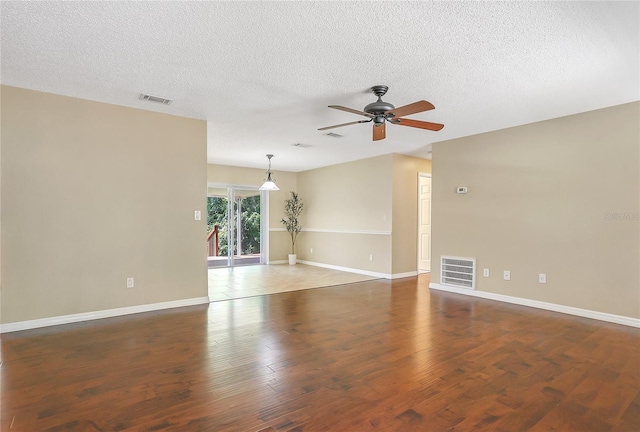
378,107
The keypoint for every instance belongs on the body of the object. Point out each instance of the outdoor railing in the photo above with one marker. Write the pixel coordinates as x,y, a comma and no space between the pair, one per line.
212,239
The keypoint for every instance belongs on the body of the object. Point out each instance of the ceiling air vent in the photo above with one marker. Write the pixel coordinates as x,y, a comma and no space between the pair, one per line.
457,271
158,99
300,145
333,135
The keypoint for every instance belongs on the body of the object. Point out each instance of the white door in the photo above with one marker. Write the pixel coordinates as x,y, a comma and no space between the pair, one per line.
424,223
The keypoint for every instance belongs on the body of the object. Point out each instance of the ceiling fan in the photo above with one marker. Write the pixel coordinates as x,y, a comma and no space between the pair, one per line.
380,112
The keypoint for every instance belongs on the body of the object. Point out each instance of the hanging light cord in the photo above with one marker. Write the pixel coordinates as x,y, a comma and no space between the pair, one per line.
269,156
269,169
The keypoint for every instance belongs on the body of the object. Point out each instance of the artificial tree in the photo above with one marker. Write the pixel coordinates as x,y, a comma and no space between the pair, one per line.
292,210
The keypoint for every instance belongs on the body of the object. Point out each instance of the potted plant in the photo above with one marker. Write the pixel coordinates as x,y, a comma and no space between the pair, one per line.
292,210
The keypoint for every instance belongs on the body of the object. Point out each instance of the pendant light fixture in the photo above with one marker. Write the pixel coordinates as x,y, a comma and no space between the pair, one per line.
269,184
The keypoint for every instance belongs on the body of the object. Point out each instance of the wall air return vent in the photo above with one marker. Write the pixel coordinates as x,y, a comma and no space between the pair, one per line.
158,99
457,271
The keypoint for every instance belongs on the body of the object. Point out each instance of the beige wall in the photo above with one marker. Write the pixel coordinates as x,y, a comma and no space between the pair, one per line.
349,250
279,243
92,194
363,208
559,197
1,87
348,214
405,211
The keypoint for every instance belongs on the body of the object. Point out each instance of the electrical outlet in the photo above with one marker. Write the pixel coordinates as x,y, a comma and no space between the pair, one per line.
485,273
507,275
542,278
129,282
370,257
197,215
310,250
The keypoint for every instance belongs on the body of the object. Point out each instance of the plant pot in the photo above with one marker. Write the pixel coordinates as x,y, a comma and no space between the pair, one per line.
292,259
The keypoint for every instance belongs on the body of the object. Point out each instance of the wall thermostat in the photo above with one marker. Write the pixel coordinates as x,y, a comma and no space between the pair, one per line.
461,189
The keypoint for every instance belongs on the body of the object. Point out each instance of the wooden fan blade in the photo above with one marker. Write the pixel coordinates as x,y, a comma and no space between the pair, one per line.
345,124
341,108
379,132
413,108
420,124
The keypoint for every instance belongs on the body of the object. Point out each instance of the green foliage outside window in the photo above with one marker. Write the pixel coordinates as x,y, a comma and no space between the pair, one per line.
250,220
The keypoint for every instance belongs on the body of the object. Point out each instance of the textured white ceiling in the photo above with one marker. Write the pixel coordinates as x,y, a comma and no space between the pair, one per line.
263,73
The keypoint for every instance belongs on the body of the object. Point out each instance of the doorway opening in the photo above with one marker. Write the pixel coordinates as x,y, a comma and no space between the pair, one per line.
424,223
235,226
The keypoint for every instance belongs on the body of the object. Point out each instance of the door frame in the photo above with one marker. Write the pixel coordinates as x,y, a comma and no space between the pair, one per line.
420,175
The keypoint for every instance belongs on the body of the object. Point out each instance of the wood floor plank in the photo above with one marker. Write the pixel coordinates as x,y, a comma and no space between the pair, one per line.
368,356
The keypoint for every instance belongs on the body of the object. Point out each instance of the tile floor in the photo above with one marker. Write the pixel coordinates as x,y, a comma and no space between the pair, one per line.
248,281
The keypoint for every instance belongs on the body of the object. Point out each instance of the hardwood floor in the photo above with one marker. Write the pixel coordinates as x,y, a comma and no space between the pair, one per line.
377,355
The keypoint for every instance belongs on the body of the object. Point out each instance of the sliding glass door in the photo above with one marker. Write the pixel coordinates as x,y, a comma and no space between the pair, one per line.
235,226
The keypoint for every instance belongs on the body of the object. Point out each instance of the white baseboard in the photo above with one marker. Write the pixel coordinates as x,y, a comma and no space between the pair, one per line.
359,271
585,313
87,316
404,275
350,270
347,269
